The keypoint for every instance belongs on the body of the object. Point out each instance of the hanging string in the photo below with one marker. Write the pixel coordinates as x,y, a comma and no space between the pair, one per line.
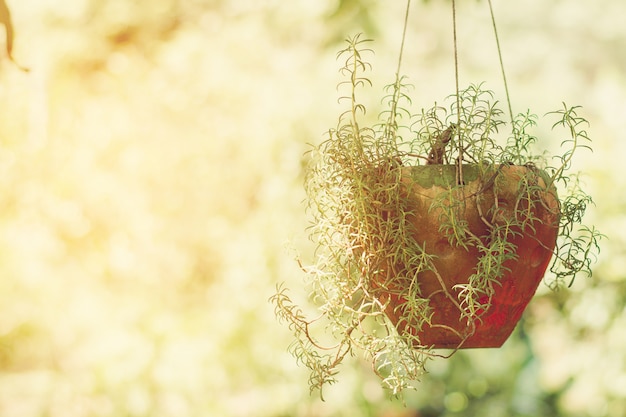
406,22
390,129
458,99
506,86
456,56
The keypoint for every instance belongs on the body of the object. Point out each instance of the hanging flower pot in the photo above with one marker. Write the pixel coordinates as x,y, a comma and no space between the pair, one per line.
432,233
507,218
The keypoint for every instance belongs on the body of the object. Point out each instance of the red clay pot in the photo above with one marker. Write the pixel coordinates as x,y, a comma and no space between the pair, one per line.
490,197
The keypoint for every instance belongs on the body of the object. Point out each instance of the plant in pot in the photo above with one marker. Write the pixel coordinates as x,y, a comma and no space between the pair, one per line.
433,230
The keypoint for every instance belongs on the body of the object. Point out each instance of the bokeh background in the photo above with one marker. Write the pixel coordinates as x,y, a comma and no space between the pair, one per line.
151,174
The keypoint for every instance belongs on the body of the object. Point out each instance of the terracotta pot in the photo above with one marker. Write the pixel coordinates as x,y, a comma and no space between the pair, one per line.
488,198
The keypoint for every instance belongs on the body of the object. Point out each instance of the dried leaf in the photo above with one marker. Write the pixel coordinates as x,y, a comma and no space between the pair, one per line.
5,18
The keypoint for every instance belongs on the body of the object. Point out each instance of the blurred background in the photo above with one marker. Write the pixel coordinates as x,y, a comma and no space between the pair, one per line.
151,174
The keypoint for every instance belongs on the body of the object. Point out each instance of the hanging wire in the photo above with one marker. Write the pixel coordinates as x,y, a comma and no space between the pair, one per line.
506,86
456,58
394,102
406,23
459,163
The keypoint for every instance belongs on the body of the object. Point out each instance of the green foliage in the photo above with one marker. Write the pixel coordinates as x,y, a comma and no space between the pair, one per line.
367,252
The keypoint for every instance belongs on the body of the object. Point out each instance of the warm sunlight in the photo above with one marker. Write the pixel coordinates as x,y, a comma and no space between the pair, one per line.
151,163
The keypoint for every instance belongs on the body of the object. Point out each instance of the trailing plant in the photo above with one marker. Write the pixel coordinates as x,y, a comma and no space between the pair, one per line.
369,254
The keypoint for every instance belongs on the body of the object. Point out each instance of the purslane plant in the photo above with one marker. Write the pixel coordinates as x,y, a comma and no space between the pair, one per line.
367,252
